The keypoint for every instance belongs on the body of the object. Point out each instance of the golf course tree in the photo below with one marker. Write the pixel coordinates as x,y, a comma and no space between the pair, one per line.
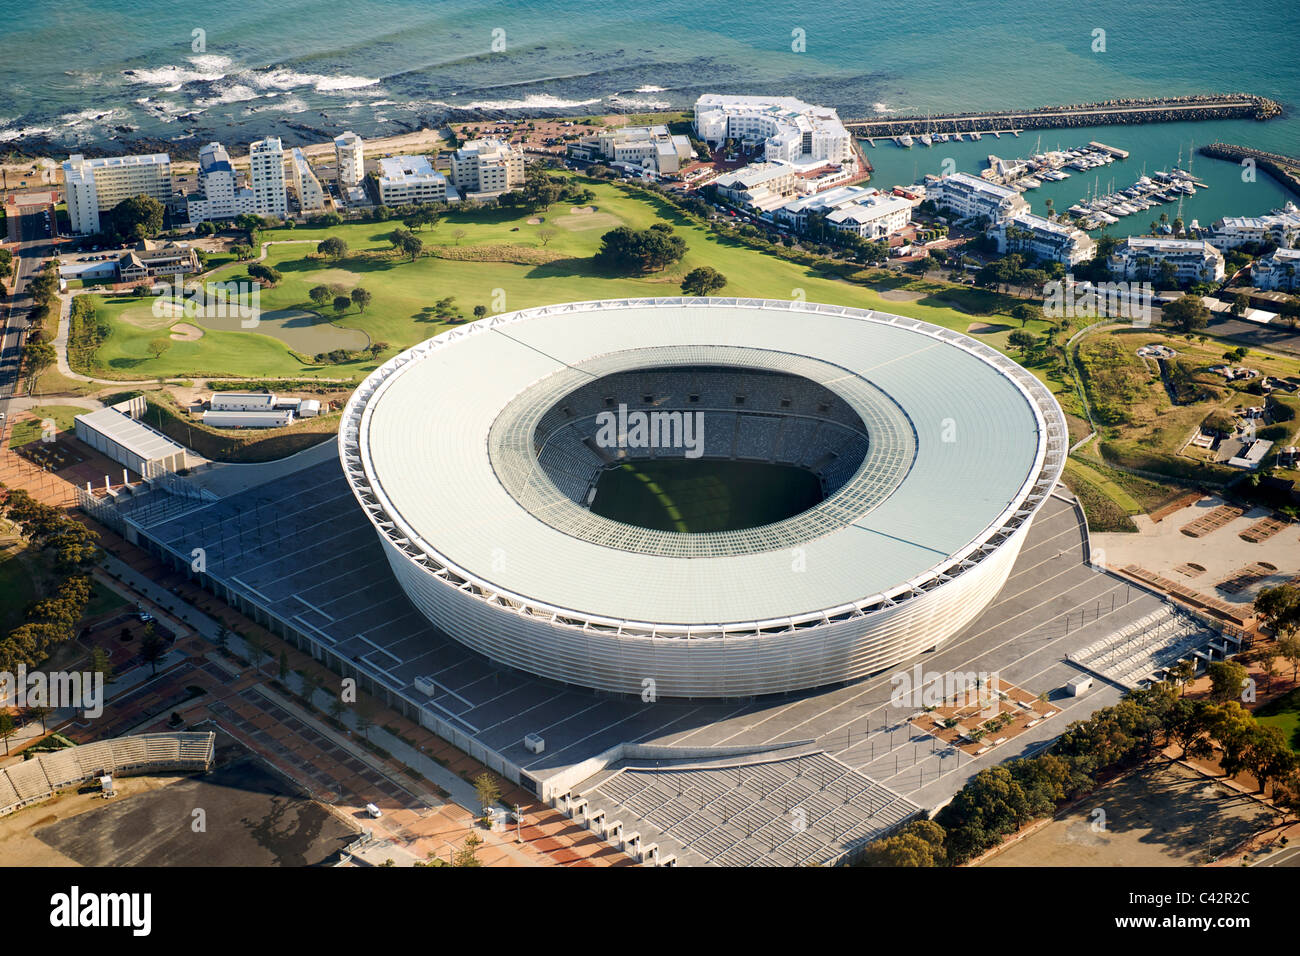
1187,314
332,248
705,280
136,218
158,346
1024,312
406,242
640,250
1021,339
264,273
341,303
321,294
361,298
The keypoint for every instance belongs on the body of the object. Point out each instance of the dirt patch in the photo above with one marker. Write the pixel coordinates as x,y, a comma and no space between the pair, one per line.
535,221
592,220
343,277
582,210
901,295
184,332
1161,815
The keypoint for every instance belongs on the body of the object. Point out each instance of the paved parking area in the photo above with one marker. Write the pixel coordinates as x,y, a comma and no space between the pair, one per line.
301,546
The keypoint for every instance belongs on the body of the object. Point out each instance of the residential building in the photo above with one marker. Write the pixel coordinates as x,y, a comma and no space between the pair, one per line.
1140,258
762,186
1281,227
405,180
1043,239
152,258
789,129
306,187
350,157
220,194
488,166
266,173
968,197
650,147
1279,271
94,186
874,217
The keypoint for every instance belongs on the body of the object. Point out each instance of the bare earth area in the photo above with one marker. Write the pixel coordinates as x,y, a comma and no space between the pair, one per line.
1162,815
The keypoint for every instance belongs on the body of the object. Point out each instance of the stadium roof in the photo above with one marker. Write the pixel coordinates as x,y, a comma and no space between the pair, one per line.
416,443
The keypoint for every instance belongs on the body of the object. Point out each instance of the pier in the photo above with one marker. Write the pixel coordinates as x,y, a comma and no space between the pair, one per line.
1112,112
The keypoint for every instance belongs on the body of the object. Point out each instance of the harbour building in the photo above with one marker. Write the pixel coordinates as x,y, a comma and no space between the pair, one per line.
1043,239
1141,258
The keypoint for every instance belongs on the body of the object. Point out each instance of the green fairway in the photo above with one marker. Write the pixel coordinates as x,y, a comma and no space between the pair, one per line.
495,258
700,496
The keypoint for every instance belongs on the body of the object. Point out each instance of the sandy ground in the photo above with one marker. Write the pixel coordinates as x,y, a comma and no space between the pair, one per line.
1163,815
901,295
19,844
1161,547
184,332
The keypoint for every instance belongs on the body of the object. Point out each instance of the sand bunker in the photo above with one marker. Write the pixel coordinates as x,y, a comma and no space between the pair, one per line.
184,332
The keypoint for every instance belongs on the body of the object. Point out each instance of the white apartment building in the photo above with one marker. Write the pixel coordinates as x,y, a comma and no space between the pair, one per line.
789,129
405,180
311,196
1140,258
968,196
762,186
1279,271
650,147
1281,226
93,186
266,173
873,217
220,195
1044,239
350,156
487,166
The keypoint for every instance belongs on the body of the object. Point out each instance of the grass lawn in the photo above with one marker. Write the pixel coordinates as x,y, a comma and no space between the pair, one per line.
404,292
103,600
1283,713
29,430
17,585
701,496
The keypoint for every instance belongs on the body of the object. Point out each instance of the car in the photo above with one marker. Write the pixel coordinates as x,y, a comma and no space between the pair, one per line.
144,617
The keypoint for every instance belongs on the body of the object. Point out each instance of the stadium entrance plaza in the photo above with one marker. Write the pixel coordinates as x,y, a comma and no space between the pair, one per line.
298,554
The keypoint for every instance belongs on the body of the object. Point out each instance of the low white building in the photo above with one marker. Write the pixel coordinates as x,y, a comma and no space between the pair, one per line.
242,401
1141,257
762,186
407,180
789,129
968,196
1278,271
1281,227
118,433
1043,239
650,147
486,166
874,217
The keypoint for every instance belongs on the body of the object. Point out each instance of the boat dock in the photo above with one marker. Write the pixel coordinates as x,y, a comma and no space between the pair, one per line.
1113,150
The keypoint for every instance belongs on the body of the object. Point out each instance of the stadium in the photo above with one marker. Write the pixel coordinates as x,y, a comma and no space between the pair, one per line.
701,498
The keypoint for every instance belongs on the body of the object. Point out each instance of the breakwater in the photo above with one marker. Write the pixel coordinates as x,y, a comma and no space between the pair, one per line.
1108,113
1285,169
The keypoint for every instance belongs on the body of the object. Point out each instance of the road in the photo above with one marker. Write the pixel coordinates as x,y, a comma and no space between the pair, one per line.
34,247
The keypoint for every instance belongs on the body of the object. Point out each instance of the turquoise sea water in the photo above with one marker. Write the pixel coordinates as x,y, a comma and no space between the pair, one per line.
108,73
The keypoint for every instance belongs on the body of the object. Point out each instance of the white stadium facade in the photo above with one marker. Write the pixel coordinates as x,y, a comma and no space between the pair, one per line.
474,456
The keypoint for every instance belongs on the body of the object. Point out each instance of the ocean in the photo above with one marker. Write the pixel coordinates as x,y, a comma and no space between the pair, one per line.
119,75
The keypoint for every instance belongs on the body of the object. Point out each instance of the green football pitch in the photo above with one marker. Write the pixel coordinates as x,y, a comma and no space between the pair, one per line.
700,495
